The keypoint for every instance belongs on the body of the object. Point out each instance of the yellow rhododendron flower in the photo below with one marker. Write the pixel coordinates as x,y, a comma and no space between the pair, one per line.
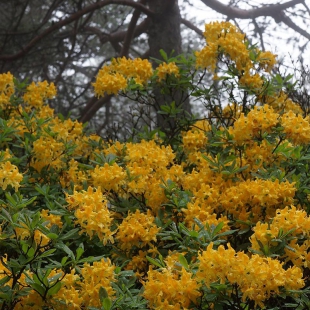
165,69
110,83
108,177
137,229
47,151
196,138
296,128
114,77
170,289
289,218
9,175
257,277
258,121
6,89
36,94
266,60
99,274
92,213
249,197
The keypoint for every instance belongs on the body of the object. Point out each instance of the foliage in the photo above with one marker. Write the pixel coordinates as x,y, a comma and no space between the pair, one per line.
213,215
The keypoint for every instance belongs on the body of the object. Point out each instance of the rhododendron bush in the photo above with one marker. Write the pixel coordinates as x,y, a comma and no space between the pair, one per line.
214,215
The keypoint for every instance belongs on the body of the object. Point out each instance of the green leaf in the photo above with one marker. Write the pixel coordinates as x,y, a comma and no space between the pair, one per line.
38,288
63,247
183,261
163,55
155,262
55,277
107,304
4,280
218,228
103,293
31,252
79,252
54,289
52,236
69,234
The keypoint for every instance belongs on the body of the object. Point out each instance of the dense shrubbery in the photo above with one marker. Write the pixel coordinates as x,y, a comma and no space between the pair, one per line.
210,215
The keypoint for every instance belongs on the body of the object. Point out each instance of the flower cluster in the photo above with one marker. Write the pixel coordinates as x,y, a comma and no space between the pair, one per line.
137,230
291,224
296,127
258,278
165,69
6,89
92,213
196,138
258,199
108,177
254,124
223,38
9,174
36,94
114,77
171,289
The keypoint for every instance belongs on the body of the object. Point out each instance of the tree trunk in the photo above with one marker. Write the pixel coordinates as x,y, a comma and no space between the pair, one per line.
165,33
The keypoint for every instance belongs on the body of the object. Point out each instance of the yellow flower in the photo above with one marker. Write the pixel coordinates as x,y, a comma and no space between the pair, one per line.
36,94
258,278
99,274
170,289
223,37
281,103
47,151
69,296
51,218
165,69
137,229
285,220
266,60
73,175
114,77
149,154
9,175
110,83
92,213
196,138
296,128
259,199
6,89
258,121
139,69
108,177
252,81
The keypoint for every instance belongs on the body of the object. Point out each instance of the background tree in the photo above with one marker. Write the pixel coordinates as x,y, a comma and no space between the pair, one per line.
67,41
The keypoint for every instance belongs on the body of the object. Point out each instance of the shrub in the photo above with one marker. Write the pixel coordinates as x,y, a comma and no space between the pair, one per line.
213,214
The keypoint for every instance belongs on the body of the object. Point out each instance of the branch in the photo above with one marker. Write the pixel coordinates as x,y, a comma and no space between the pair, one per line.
92,107
287,21
191,26
234,12
131,29
72,18
118,36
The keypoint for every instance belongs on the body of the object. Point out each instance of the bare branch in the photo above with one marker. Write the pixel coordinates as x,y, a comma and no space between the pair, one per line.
191,26
131,29
69,20
287,21
92,107
234,12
